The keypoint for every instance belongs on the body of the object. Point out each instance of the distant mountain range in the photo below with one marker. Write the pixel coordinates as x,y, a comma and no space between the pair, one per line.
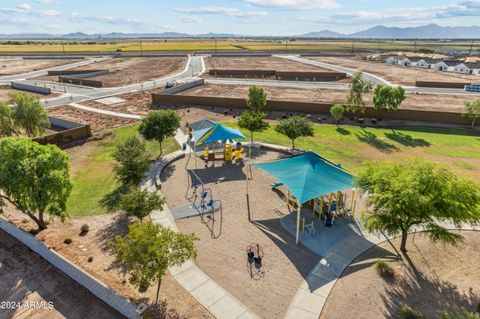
430,31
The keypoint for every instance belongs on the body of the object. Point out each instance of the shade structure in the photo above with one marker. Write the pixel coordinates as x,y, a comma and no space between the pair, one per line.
216,133
308,175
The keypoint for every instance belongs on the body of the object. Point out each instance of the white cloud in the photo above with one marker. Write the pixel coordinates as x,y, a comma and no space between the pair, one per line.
421,14
48,13
295,4
192,19
44,1
229,12
24,7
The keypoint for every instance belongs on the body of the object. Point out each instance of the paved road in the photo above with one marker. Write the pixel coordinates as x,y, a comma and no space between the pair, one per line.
18,77
194,67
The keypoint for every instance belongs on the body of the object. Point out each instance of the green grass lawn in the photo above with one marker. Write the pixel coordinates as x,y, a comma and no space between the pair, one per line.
92,170
352,145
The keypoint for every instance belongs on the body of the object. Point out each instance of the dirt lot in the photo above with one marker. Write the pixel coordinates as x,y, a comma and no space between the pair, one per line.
125,71
15,65
258,63
95,244
98,122
397,74
453,103
224,259
436,278
136,103
26,277
4,94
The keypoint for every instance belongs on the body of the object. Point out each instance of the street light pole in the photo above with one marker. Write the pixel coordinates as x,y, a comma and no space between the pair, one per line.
63,47
141,46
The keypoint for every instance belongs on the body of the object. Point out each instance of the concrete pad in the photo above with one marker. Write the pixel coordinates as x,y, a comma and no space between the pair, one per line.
191,278
297,313
179,269
318,285
308,301
227,308
208,293
110,100
248,315
335,257
329,272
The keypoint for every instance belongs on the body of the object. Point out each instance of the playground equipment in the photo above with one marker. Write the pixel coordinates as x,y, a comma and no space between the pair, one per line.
255,261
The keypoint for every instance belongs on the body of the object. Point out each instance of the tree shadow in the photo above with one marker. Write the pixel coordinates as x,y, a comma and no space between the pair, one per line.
111,201
373,140
342,131
118,226
407,140
436,295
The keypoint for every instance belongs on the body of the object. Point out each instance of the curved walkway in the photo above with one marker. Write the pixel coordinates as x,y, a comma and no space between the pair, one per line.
312,294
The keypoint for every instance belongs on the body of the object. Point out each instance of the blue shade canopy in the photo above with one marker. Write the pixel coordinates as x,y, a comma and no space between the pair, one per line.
308,176
216,133
197,135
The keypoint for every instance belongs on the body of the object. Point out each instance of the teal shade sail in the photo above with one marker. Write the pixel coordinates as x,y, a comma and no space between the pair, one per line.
216,133
308,175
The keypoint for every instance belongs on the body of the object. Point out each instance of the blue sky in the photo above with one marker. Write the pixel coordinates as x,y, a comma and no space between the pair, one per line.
255,17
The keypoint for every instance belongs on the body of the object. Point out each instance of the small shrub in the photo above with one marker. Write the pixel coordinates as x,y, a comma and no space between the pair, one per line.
407,312
84,229
68,241
445,314
90,259
384,269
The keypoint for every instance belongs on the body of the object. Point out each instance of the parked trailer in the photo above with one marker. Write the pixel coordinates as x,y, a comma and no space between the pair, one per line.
473,88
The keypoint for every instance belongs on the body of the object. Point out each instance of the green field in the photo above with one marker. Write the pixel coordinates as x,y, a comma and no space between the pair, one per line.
69,46
92,171
352,145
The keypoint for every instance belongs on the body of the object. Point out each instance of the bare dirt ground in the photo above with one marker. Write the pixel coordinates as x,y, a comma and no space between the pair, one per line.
434,278
258,63
98,122
5,91
398,74
15,65
449,103
125,71
27,277
224,259
136,103
94,244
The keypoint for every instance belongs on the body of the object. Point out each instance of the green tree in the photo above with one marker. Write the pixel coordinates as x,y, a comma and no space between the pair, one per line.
133,161
337,111
140,203
358,88
7,126
159,126
257,99
419,194
253,122
388,98
34,178
29,114
294,127
472,111
149,249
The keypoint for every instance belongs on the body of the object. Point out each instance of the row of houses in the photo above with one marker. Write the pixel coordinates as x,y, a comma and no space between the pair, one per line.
437,64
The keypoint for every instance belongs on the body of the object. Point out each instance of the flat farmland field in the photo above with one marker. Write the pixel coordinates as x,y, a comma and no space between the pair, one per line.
50,46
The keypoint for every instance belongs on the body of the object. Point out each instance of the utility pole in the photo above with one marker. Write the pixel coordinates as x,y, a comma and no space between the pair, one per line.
415,46
471,47
286,46
63,47
141,46
353,44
